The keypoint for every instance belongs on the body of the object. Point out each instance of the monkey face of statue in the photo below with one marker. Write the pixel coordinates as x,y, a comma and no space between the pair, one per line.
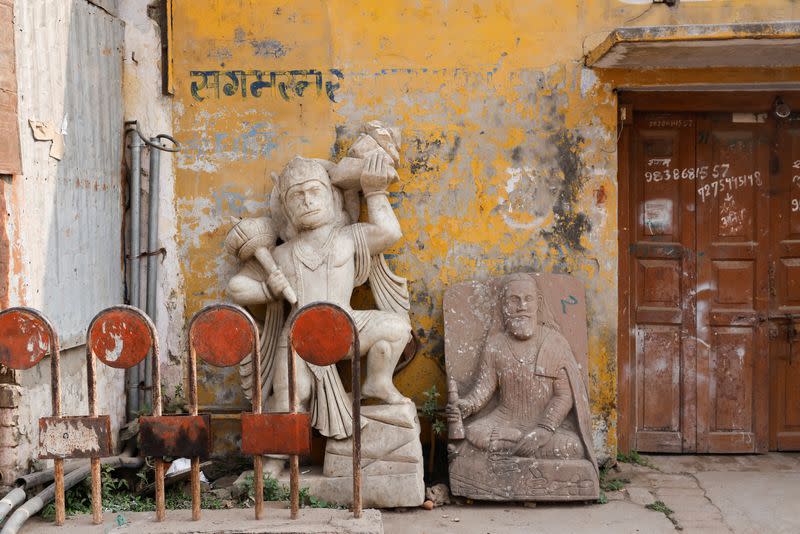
309,204
520,308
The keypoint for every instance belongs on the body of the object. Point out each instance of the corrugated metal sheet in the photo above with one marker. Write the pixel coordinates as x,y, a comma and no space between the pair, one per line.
67,215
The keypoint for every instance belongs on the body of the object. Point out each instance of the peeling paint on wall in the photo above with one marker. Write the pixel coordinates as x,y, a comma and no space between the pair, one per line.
509,153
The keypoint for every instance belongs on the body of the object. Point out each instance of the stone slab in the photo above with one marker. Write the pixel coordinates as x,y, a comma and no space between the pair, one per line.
276,521
378,491
552,342
755,502
391,461
532,479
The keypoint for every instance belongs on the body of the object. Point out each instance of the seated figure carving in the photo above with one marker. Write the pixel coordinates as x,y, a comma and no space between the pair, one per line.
529,379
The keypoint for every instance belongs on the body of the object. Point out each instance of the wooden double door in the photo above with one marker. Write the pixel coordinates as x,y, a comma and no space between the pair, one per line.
710,281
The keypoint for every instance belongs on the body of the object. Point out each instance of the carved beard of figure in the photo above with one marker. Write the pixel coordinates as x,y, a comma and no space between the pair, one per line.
309,205
520,308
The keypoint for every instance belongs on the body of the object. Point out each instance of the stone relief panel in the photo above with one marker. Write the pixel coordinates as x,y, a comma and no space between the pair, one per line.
516,352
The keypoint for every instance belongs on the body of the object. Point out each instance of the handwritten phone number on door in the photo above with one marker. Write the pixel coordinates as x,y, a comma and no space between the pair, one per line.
688,173
729,183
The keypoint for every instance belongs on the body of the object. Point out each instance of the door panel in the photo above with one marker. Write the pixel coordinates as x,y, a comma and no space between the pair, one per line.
732,285
658,350
663,317
713,297
784,312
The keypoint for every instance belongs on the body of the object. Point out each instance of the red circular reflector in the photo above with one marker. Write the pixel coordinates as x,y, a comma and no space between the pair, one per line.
322,334
222,335
24,338
120,337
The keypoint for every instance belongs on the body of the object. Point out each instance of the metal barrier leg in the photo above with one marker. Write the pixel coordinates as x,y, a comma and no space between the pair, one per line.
258,484
58,471
294,460
161,507
356,387
97,501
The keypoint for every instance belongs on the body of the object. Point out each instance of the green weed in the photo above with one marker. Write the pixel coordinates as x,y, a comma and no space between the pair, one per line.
659,506
634,457
275,491
429,409
615,484
606,484
118,498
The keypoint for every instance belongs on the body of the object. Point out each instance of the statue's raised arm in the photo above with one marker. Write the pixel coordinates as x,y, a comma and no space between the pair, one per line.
382,229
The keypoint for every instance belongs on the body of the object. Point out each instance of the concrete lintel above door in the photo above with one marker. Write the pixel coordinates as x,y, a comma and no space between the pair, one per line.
763,45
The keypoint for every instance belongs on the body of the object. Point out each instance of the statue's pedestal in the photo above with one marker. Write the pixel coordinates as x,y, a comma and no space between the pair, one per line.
391,461
473,474
377,491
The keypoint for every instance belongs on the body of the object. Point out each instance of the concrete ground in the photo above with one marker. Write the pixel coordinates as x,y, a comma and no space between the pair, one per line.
695,494
706,494
236,520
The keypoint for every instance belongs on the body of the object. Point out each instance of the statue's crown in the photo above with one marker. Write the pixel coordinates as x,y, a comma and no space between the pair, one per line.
299,171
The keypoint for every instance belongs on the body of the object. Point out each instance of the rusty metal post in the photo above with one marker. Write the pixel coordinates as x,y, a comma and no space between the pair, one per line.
22,345
161,507
294,460
91,380
55,396
356,390
175,435
195,475
222,335
55,391
258,460
147,338
120,336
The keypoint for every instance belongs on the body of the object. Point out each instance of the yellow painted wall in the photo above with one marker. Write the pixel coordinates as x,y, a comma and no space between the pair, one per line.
509,149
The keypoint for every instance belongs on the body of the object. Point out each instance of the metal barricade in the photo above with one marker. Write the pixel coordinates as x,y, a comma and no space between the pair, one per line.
221,335
117,337
322,333
120,337
26,336
175,435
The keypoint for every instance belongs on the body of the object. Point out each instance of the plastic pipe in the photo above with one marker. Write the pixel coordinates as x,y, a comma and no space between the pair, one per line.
35,504
11,501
